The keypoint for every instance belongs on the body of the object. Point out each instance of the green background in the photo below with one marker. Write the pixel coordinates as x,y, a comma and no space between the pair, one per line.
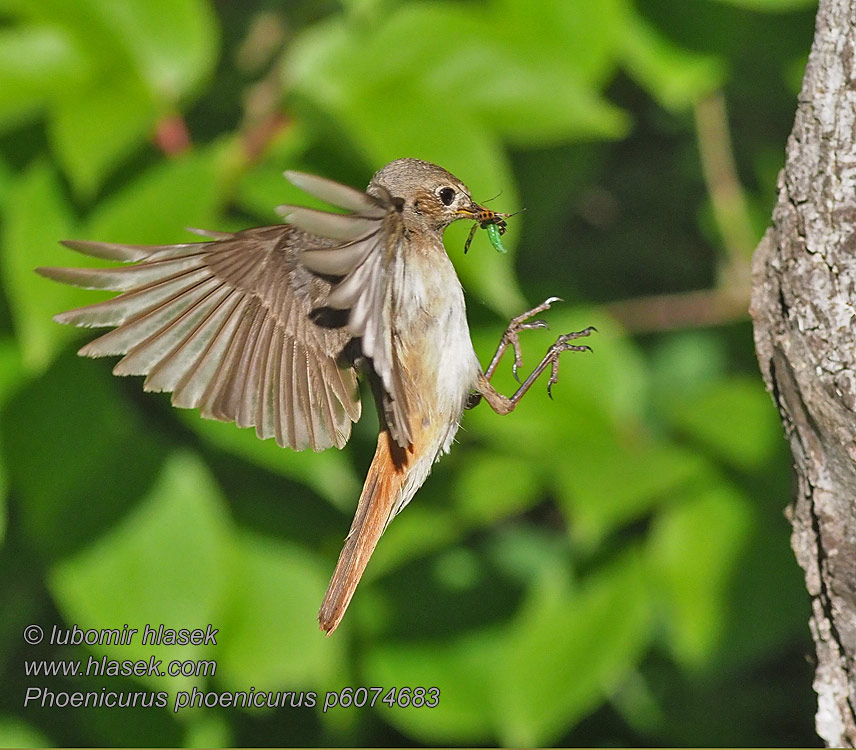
609,567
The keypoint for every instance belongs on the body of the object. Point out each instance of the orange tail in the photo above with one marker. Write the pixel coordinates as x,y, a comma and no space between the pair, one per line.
380,493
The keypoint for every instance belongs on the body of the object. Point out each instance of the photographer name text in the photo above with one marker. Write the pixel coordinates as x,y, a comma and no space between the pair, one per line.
152,635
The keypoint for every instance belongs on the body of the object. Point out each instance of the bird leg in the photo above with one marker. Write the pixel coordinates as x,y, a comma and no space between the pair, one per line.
502,404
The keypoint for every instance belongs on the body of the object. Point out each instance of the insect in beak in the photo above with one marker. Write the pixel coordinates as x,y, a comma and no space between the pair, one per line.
491,221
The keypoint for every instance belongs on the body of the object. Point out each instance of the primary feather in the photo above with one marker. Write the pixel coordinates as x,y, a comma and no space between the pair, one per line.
217,323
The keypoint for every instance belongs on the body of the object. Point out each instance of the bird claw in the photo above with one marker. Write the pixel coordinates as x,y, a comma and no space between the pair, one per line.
534,324
519,322
518,355
562,345
523,323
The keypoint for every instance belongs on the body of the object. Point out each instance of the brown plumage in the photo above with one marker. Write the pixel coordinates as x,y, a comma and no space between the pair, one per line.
384,484
224,325
268,328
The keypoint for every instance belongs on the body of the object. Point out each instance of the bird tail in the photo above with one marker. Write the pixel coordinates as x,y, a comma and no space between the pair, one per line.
379,501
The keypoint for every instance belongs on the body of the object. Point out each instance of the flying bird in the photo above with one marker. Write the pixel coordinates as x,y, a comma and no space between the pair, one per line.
269,328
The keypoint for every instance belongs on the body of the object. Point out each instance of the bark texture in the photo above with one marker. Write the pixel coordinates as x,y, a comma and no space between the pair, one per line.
804,312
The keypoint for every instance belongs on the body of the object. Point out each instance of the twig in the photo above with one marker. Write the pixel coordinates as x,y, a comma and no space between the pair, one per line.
666,312
729,300
730,208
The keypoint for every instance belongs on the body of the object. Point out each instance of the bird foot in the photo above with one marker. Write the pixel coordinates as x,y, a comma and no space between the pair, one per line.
563,345
523,323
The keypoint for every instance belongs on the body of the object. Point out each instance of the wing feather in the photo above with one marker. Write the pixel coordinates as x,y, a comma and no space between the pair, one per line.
145,357
264,411
187,355
263,350
121,309
211,321
225,325
271,413
136,328
195,383
343,227
286,397
364,264
337,194
123,279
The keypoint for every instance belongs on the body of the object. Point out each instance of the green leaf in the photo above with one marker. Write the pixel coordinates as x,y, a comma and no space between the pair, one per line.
747,437
328,473
530,681
457,569
36,218
578,36
604,485
568,650
11,374
793,76
685,363
463,671
566,110
6,180
17,733
173,42
184,192
263,187
78,456
169,562
518,70
767,602
491,486
527,552
694,547
676,77
37,64
207,730
12,371
97,126
273,639
3,502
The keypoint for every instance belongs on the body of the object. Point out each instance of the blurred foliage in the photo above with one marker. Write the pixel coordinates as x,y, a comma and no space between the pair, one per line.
610,567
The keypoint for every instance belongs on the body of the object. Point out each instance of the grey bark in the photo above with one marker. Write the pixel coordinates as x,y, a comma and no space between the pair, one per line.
804,312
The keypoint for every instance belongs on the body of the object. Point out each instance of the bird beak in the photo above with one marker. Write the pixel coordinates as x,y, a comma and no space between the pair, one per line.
468,212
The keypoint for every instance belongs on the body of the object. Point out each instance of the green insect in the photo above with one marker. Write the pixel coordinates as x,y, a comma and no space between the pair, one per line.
494,223
494,232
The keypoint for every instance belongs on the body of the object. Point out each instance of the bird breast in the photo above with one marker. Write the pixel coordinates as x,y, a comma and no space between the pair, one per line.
434,339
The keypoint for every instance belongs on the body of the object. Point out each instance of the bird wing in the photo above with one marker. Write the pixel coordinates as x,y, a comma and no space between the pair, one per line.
226,326
365,258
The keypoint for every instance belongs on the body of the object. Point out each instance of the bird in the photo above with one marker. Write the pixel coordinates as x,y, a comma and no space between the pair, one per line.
269,327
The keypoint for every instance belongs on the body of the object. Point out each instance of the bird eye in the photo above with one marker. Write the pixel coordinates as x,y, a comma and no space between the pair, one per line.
447,195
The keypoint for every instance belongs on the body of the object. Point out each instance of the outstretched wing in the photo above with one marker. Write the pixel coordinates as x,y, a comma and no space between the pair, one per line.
365,252
225,325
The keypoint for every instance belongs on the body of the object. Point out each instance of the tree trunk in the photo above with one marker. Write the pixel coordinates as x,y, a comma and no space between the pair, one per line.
804,311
